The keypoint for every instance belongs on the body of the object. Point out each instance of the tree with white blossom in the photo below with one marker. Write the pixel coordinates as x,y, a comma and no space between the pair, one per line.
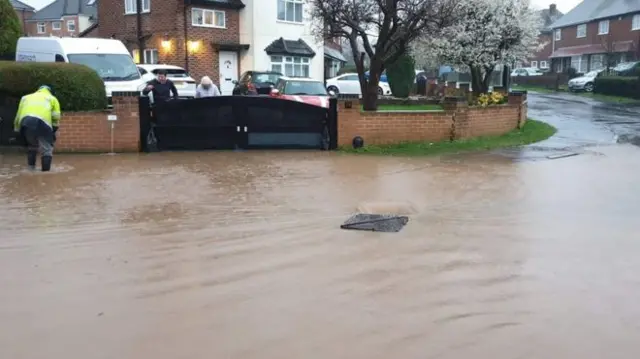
392,24
487,34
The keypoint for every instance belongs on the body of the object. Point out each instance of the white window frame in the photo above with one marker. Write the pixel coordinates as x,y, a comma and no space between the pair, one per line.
295,4
279,64
534,64
584,32
53,25
544,64
71,23
635,22
558,34
131,6
41,27
214,16
603,27
148,56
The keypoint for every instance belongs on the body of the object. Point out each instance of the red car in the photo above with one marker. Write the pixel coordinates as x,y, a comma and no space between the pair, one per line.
304,90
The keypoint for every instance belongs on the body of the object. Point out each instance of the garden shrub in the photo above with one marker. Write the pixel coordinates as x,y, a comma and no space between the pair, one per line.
10,30
77,87
401,76
618,86
491,99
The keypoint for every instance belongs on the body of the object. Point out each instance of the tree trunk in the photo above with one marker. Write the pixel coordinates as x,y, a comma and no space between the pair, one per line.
477,81
370,88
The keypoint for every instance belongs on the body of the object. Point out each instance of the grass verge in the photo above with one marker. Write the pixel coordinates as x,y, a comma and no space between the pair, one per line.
409,108
532,131
595,96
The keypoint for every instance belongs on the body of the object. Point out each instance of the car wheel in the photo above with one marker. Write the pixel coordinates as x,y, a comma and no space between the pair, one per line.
334,89
588,87
380,91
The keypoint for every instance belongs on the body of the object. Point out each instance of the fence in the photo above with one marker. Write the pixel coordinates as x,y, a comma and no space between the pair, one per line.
551,81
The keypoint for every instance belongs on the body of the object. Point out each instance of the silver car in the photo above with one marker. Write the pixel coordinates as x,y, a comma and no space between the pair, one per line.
585,82
184,83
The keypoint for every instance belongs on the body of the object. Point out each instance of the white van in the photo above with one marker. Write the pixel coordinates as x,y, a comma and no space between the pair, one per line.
108,57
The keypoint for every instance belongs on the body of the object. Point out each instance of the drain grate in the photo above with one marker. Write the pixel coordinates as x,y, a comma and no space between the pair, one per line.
375,222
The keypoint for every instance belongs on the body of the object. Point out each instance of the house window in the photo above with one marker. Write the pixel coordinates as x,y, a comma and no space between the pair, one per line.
579,63
582,31
603,27
208,18
534,64
597,62
635,23
150,56
558,34
291,66
42,28
290,10
131,6
56,25
71,25
544,65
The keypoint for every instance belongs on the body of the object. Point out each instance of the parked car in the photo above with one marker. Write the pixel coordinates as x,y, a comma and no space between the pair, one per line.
349,84
585,82
256,83
185,84
526,71
304,90
627,69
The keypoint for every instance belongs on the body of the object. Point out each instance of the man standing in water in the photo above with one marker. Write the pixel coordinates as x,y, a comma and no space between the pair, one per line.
37,121
161,87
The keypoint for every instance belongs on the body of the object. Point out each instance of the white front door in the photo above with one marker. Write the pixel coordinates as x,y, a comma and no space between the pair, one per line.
228,62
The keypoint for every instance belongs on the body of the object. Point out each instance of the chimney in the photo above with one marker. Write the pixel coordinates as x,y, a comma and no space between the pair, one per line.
552,9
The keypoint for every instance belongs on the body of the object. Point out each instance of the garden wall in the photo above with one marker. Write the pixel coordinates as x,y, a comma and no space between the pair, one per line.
456,121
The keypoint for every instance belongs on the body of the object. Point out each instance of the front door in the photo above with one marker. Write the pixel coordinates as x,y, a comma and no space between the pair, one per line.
228,62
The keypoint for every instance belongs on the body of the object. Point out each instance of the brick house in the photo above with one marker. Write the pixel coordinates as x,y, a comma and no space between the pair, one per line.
62,18
24,12
596,34
541,58
195,34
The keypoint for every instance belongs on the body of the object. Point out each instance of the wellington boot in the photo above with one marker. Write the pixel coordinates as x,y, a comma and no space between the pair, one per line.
46,163
31,159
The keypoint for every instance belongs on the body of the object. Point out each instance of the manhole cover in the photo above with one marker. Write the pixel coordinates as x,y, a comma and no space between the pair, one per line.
376,222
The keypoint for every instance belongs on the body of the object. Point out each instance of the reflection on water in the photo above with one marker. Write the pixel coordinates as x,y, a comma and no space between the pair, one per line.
240,255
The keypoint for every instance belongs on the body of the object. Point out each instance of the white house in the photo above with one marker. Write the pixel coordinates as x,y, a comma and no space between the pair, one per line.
279,34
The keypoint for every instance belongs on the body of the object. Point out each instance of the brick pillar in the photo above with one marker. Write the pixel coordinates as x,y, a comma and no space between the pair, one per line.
458,108
349,108
127,126
519,98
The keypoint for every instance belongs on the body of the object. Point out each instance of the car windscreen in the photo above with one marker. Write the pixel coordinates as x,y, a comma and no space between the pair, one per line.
304,88
591,74
172,72
110,67
262,78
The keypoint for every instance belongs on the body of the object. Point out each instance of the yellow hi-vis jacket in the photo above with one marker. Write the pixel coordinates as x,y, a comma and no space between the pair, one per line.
41,104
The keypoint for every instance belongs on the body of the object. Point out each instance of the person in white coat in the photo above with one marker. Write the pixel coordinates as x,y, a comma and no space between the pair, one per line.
207,88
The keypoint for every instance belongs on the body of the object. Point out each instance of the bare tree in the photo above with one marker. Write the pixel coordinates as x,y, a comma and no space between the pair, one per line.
392,23
609,51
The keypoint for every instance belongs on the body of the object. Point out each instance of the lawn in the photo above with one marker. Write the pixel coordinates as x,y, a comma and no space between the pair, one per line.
532,131
595,96
409,108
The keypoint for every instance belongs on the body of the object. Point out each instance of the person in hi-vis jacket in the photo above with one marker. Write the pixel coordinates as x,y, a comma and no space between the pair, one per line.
37,121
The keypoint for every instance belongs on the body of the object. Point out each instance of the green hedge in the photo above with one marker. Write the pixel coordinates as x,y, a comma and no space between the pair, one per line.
77,87
618,86
401,76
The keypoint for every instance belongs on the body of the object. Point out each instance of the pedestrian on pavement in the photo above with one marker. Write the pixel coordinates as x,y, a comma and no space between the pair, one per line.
207,88
37,121
161,87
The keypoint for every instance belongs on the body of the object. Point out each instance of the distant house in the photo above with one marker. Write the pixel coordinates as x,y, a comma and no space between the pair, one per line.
596,33
541,59
334,59
63,18
24,12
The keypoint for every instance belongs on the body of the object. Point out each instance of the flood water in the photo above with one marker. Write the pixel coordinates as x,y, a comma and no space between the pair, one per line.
240,255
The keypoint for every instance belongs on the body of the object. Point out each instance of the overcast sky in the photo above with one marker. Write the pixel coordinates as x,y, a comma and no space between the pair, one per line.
563,5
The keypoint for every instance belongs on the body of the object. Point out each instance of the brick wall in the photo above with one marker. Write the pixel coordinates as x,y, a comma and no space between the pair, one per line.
543,54
166,18
456,121
23,16
619,28
91,131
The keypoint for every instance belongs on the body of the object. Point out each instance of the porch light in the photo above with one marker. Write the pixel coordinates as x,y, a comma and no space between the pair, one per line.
194,45
166,43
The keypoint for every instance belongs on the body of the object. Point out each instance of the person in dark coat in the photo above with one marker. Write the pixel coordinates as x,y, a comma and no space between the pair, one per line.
162,88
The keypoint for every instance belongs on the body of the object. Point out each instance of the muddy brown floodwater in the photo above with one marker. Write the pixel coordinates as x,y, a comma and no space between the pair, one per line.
240,255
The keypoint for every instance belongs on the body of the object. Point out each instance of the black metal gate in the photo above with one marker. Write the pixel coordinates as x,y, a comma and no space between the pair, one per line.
247,122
